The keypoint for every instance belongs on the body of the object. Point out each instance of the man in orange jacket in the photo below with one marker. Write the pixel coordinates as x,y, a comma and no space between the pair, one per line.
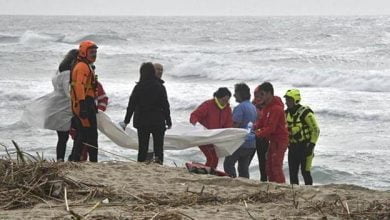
83,94
272,126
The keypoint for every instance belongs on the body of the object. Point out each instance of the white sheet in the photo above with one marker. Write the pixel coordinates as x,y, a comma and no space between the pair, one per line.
52,111
181,136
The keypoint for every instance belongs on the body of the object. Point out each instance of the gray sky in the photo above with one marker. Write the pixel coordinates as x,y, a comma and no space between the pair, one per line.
195,7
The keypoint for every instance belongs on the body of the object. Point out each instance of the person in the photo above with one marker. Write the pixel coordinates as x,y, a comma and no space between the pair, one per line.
244,116
261,143
149,104
52,111
102,102
213,113
272,126
83,95
303,135
159,71
61,84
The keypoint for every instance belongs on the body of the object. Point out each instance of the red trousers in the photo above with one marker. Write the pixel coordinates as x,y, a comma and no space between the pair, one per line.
211,155
274,163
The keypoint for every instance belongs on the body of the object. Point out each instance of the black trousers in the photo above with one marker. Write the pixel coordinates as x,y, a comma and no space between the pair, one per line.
244,157
158,143
63,137
296,160
262,149
87,135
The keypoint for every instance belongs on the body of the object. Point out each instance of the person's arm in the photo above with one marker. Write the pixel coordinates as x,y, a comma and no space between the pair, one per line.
314,130
229,120
166,108
131,106
81,75
102,98
267,129
238,116
199,113
65,83
313,127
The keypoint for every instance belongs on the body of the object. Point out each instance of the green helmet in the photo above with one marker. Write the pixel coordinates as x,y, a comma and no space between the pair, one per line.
294,94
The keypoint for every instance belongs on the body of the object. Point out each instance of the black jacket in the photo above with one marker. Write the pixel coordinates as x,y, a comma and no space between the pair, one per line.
149,103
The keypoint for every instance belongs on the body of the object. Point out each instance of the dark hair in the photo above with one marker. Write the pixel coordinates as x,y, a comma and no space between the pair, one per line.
266,87
69,60
243,91
147,72
222,92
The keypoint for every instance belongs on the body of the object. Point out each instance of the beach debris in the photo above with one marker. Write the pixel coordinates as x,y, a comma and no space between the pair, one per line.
27,180
247,210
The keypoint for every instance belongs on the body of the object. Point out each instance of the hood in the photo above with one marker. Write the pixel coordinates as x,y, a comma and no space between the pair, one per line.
276,101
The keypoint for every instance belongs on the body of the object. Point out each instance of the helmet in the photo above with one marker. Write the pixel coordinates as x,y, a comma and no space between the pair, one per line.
294,94
84,46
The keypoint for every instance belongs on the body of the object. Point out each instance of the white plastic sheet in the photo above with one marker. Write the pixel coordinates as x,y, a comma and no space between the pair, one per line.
181,136
51,111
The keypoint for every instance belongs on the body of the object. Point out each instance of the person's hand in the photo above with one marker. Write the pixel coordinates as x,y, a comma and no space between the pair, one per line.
309,149
169,124
123,125
193,122
83,110
257,132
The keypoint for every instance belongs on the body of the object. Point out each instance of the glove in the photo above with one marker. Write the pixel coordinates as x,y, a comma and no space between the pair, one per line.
169,124
123,125
83,110
309,149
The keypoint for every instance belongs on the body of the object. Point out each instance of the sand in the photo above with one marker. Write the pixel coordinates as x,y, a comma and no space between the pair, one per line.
151,191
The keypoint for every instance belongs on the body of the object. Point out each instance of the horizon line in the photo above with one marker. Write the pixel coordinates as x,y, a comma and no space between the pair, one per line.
194,15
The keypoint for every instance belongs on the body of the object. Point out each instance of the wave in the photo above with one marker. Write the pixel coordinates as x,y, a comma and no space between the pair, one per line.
356,115
18,125
5,39
12,97
34,37
98,38
30,36
177,103
348,79
326,175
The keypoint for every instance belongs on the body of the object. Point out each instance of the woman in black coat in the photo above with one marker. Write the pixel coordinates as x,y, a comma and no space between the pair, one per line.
149,103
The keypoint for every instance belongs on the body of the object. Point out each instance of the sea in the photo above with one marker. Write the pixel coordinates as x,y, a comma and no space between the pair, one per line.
340,64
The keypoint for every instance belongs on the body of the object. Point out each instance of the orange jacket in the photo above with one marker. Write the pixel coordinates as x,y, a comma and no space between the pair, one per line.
83,84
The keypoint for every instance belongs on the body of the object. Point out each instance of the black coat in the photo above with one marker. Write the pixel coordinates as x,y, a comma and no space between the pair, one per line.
149,103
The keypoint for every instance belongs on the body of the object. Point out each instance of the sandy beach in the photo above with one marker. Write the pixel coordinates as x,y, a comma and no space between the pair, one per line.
130,190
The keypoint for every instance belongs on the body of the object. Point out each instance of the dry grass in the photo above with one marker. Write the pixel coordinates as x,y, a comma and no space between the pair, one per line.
26,180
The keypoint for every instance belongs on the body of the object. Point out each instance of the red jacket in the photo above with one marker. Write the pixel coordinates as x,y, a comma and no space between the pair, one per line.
210,116
102,99
272,123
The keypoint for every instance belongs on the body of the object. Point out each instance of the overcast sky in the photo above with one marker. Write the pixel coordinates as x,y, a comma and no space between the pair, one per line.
195,7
